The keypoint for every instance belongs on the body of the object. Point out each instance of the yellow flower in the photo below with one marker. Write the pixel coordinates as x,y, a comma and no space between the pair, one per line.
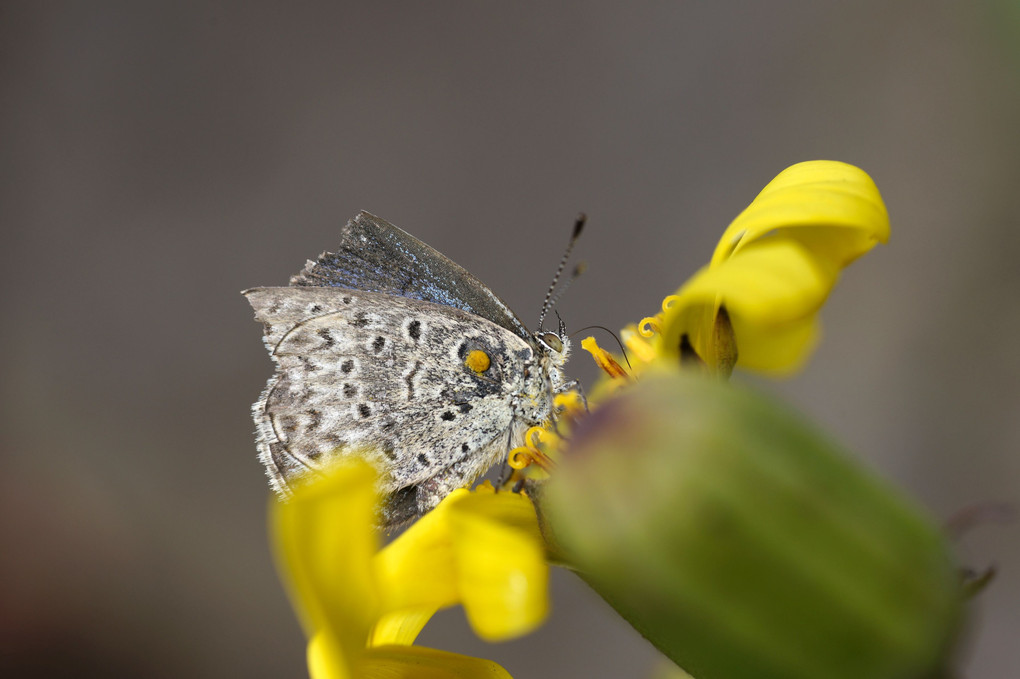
756,303
361,608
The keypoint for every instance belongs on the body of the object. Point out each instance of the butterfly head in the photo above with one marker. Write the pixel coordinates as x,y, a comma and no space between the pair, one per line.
556,349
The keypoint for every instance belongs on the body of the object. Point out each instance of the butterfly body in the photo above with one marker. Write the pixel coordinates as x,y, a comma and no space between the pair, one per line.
379,352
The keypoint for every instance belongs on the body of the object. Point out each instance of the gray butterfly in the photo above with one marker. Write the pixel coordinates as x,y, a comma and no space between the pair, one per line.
388,348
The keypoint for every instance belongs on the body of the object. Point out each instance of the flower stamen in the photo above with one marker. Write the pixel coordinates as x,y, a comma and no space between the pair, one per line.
650,326
531,454
603,358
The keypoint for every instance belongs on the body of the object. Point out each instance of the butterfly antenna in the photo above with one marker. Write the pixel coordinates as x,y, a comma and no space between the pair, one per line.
546,305
578,270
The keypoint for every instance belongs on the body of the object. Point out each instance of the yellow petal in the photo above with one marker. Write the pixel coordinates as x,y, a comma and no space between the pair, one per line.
324,539
638,347
325,661
481,549
416,662
417,570
833,209
400,627
503,574
772,291
397,662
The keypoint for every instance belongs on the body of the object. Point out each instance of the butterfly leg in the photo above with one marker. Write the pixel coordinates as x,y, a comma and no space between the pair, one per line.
576,387
569,386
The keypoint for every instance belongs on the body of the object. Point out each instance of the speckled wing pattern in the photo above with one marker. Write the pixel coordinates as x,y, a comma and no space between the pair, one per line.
369,345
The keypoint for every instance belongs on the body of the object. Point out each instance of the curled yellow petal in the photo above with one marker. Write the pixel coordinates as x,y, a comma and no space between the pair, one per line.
832,208
401,627
504,577
362,609
417,570
771,291
774,268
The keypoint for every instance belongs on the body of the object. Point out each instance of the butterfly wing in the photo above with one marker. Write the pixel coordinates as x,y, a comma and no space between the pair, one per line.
371,374
376,256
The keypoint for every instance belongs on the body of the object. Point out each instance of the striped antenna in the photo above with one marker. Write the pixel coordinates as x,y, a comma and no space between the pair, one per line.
578,270
546,305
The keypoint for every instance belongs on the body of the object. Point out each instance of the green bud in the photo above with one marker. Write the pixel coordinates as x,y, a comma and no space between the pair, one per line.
744,544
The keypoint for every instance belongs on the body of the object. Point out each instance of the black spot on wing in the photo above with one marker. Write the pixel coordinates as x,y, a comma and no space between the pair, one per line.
414,330
447,416
327,338
360,319
364,410
287,423
337,440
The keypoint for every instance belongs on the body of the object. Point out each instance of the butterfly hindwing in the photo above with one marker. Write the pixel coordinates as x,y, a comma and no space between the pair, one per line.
369,373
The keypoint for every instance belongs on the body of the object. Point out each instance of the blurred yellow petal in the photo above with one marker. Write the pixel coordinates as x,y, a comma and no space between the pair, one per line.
637,345
325,539
480,549
401,627
417,570
416,662
399,662
362,609
503,574
323,661
832,208
772,292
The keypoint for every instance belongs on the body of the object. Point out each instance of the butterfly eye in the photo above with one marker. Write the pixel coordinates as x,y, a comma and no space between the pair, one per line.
478,361
551,339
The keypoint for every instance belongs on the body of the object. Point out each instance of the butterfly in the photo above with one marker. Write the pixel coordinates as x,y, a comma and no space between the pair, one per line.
388,349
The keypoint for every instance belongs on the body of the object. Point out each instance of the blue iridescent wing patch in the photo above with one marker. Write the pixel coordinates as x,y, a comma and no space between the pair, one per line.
376,256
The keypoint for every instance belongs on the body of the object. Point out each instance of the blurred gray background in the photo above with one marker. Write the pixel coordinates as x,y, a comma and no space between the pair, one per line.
159,157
